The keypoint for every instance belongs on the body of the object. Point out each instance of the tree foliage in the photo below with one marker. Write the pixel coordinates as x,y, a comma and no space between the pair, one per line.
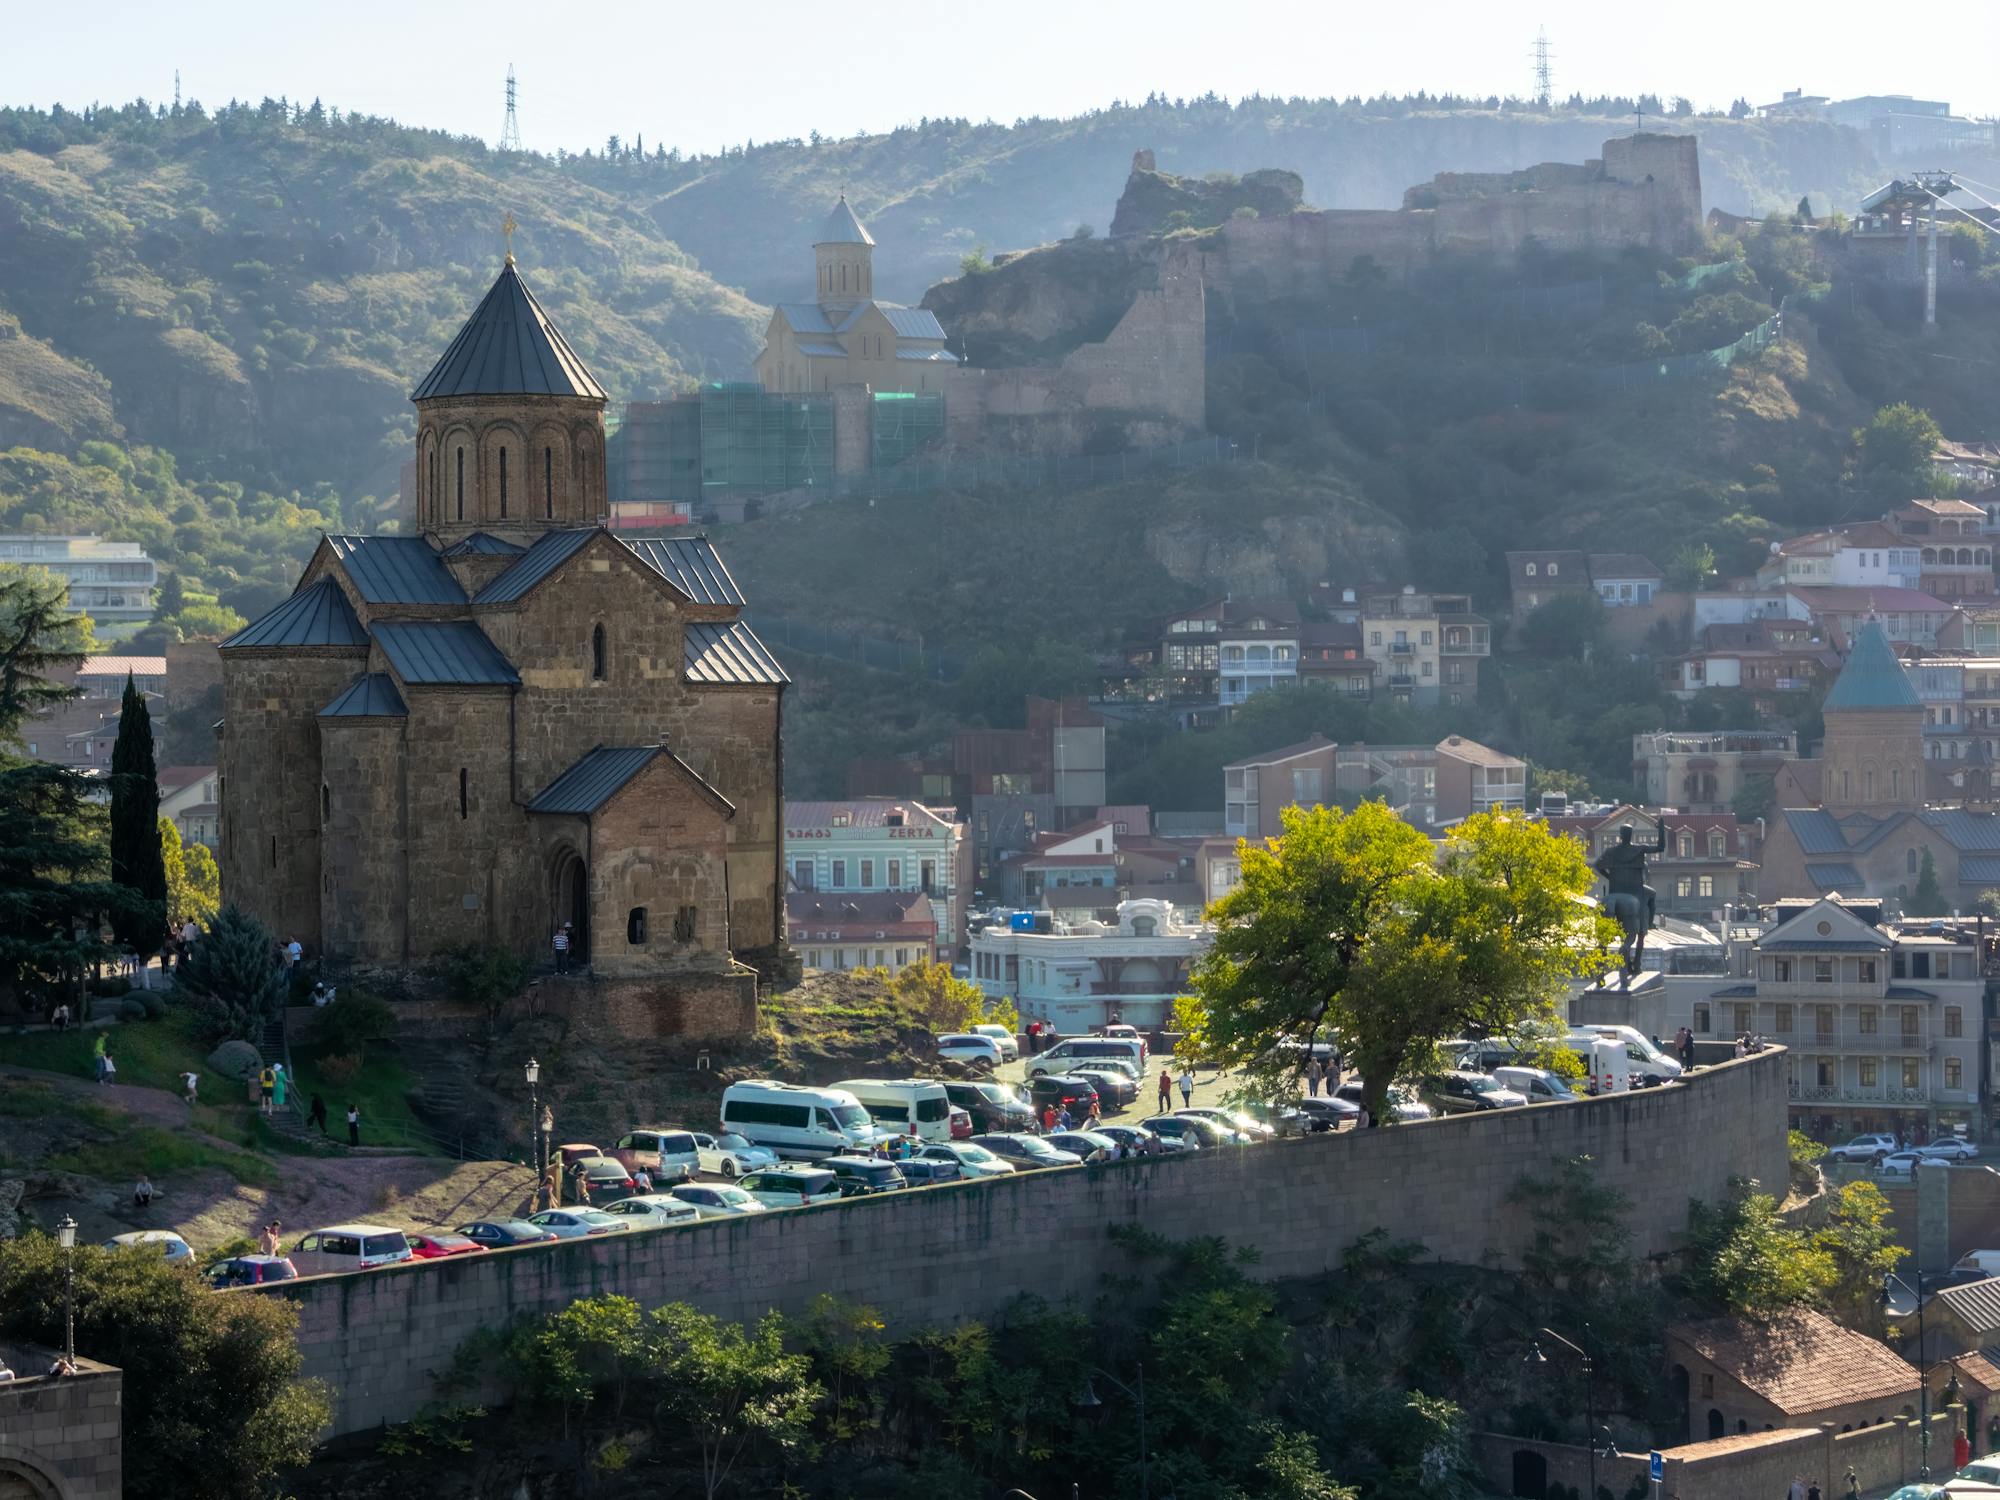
234,975
1894,452
194,884
1570,624
213,1401
1743,1257
1927,900
736,1391
137,861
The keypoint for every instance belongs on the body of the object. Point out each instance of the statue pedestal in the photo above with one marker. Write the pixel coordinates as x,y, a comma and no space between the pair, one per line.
1613,982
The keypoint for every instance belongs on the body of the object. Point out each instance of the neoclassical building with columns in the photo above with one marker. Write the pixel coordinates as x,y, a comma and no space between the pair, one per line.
514,718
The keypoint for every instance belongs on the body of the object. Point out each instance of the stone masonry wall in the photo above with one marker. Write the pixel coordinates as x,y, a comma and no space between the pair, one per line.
966,1250
61,1436
364,895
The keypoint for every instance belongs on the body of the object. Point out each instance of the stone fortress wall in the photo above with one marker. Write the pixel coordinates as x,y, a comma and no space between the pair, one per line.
964,1251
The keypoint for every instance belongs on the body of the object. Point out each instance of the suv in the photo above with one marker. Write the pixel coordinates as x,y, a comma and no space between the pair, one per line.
1466,1093
1069,1091
973,1050
863,1176
1864,1148
792,1185
1115,1087
993,1106
667,1154
251,1270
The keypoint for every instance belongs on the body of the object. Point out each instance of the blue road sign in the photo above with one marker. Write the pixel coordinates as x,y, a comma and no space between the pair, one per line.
1658,1466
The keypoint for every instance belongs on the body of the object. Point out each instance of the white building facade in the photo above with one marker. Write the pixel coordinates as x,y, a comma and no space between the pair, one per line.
1087,974
871,845
112,582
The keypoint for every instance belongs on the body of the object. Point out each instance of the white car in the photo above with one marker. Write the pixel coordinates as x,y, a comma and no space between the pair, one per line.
1951,1148
730,1155
579,1223
970,1048
717,1200
1864,1148
1905,1163
1010,1045
166,1241
1404,1106
654,1211
973,1161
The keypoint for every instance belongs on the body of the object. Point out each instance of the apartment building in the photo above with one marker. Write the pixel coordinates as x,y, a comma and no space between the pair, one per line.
1702,771
875,930
1090,973
1257,789
881,846
1427,647
112,582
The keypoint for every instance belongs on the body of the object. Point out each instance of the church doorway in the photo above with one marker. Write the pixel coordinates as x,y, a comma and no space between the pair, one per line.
571,903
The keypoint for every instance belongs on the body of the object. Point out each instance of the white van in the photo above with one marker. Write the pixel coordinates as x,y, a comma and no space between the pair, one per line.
1539,1084
1977,1265
1065,1055
894,1103
349,1247
1646,1063
796,1120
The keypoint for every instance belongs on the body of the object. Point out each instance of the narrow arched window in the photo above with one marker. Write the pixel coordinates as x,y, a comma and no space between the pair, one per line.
274,851
325,803
461,484
462,788
549,483
635,926
597,653
503,484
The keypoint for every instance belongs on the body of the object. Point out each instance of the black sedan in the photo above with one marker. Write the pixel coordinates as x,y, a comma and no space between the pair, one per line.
993,1106
502,1234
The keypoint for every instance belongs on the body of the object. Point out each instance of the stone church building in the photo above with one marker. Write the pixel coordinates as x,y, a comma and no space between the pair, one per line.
515,718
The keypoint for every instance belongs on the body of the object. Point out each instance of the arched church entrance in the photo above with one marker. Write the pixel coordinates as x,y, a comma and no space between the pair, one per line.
570,902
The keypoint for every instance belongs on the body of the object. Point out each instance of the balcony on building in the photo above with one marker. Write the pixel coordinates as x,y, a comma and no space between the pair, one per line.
1466,637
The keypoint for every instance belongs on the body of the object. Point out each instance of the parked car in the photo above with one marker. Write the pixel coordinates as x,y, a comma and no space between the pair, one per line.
864,1176
1981,1470
993,1106
1068,1091
926,1171
1176,1132
606,1175
971,1159
654,1211
1864,1148
1025,1153
667,1154
1216,1133
961,1124
1088,1145
1322,1112
1232,1119
1951,1148
1461,1093
579,1223
973,1050
1277,1119
1010,1044
251,1270
1482,1056
1137,1142
731,1155
165,1242
576,1151
792,1185
1404,1105
1115,1088
1067,1053
718,1200
436,1246
1539,1085
349,1247
504,1234
1119,1031
795,1120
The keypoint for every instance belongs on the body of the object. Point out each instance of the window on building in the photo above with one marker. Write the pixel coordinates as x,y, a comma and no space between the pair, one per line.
274,851
549,483
1823,1020
1701,1018
1954,1021
461,484
1867,1070
462,789
1374,637
325,803
927,877
840,874
1531,570
1743,1015
802,874
597,653
1954,1073
867,873
1781,971
1783,1019
1912,1022
1869,1020
1920,966
1822,971
635,927
1909,861
1684,844
1912,1073
895,874
503,484
1705,885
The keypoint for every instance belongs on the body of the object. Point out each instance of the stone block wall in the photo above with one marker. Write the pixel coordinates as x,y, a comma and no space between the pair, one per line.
659,846
364,890
966,1250
61,1437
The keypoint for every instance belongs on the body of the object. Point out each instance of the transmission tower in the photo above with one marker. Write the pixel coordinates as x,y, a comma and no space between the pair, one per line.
1544,78
177,90
510,132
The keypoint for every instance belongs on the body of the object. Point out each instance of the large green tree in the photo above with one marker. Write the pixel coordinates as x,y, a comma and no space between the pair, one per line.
234,975
1896,449
1927,900
1352,924
137,862
213,1404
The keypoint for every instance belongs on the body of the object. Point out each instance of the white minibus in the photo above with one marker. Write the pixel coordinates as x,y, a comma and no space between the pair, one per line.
895,1103
795,1120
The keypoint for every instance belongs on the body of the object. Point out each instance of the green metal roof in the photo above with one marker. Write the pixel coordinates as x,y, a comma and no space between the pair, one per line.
1872,678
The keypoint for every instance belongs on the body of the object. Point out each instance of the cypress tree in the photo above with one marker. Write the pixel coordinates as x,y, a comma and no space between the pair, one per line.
1927,900
136,860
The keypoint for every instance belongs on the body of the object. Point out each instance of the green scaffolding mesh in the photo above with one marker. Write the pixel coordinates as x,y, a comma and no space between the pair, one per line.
753,441
904,422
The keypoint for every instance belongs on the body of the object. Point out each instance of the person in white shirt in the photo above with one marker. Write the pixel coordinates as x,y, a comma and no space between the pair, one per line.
1187,1086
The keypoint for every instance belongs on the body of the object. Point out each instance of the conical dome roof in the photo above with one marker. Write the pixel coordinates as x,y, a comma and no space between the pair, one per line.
1872,677
843,228
508,347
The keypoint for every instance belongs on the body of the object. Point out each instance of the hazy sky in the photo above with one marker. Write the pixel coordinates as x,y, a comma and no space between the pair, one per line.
713,73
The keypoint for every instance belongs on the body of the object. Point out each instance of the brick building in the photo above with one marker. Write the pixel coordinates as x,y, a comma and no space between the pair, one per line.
1797,1369
515,718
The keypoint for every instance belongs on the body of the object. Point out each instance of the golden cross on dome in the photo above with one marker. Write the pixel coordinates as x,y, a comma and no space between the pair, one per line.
507,228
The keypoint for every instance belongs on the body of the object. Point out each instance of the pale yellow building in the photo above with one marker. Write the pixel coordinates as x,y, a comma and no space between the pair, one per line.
846,337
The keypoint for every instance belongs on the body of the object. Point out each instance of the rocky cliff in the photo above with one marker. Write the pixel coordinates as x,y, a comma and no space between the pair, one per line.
1155,202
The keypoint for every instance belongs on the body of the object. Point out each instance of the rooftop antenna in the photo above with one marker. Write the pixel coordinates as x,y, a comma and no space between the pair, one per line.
1544,78
510,132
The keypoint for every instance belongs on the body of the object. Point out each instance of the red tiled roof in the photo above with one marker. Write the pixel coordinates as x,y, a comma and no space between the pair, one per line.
118,666
1800,1361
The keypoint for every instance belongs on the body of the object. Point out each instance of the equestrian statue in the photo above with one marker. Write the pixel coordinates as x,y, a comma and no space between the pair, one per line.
1628,900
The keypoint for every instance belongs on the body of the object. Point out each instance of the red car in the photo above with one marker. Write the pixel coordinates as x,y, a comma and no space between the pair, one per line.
961,1124
438,1246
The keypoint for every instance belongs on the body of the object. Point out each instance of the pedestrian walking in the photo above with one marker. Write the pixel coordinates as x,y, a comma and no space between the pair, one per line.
188,1084
62,1016
316,1113
267,1242
643,1181
353,1124
1187,1086
267,1085
189,933
279,1083
1048,1118
293,953
1166,1091
1798,1490
560,942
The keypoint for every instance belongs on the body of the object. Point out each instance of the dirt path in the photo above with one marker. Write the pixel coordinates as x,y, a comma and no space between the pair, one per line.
156,1105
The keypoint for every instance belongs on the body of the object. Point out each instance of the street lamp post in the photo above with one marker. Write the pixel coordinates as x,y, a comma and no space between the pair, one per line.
1137,1391
1536,1357
1889,1279
66,1237
534,1072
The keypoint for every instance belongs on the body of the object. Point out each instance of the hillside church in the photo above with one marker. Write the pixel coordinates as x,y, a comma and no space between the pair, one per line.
515,718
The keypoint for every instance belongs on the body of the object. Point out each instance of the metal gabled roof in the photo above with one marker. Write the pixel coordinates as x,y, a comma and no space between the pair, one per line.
443,653
843,227
508,347
1835,877
318,615
727,652
372,695
806,317
691,565
1965,830
1976,1303
396,570
601,774
483,544
551,550
912,322
1872,677
1815,830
